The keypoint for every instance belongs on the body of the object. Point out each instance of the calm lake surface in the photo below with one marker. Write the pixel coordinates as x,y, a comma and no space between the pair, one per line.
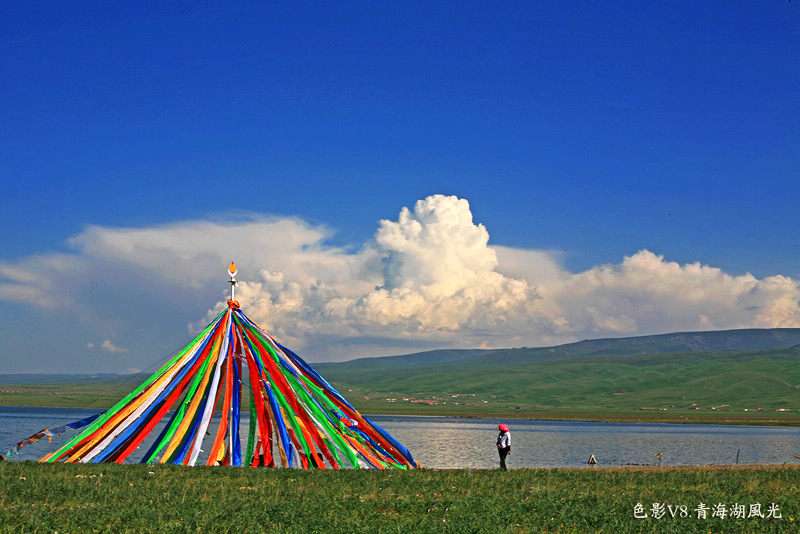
459,443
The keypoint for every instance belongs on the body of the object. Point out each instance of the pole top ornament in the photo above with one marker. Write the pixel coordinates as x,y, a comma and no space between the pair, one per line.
232,272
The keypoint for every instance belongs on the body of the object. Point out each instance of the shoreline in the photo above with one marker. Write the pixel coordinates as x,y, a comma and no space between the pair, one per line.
786,419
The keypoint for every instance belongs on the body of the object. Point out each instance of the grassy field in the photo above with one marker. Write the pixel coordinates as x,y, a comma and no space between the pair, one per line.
75,393
569,382
138,498
568,414
725,386
369,400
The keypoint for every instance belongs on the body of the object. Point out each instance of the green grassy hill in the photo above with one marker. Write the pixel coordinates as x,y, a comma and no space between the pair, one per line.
739,379
752,339
683,376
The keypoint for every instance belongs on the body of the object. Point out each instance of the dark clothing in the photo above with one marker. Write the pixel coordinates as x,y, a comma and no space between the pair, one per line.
503,453
503,447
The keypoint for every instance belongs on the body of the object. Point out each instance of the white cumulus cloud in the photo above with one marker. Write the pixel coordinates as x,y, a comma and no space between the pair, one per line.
646,294
431,273
429,278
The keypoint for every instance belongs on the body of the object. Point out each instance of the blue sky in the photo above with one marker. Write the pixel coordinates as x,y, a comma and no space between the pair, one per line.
579,134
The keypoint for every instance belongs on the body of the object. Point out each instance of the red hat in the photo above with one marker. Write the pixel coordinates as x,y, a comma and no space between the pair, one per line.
503,427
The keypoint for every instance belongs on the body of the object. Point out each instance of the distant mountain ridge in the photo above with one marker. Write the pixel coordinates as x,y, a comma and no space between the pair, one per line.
731,370
48,378
707,341
750,339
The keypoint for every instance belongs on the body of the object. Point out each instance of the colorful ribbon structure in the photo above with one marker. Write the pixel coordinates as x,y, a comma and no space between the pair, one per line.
49,433
295,415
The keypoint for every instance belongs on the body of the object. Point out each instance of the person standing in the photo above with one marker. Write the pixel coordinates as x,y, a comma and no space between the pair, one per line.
503,444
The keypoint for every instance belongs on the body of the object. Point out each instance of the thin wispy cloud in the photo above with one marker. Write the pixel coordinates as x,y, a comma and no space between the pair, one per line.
108,346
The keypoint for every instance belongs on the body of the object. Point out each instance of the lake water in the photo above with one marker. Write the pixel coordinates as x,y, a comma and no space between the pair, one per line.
459,443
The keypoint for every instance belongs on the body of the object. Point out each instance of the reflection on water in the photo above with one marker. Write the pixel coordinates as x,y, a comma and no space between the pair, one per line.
458,443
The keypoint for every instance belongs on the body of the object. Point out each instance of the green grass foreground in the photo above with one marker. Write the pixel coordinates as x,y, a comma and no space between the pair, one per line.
138,498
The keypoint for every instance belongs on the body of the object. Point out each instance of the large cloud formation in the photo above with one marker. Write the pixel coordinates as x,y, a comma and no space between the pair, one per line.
429,278
431,273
